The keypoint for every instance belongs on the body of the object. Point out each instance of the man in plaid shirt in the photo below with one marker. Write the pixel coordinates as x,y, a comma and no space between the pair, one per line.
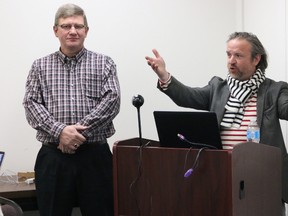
71,99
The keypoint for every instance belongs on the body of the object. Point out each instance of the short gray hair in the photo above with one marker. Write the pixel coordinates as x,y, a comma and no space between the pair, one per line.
257,47
68,10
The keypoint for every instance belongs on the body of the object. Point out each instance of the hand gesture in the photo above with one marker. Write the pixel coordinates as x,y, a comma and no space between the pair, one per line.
158,65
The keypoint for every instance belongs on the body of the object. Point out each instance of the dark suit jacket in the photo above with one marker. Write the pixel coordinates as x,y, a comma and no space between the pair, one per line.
272,105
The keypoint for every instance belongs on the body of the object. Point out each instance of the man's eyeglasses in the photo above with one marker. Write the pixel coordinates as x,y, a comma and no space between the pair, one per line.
67,27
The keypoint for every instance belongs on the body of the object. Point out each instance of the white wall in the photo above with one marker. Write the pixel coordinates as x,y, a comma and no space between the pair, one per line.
189,34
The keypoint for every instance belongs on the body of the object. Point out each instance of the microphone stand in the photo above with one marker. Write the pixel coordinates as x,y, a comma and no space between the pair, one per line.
138,101
139,126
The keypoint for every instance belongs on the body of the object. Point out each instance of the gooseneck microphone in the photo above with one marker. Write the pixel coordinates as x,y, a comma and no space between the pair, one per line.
196,161
181,137
138,101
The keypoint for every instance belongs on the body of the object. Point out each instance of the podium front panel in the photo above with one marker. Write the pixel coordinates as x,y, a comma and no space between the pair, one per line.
150,181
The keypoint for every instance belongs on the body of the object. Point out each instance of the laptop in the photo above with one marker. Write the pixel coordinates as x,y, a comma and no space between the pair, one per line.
182,129
1,157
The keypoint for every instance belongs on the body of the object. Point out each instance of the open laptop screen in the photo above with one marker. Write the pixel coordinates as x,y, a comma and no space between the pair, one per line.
197,127
1,157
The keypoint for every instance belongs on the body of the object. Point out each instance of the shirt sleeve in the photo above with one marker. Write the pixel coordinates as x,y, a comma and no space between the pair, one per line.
36,114
164,85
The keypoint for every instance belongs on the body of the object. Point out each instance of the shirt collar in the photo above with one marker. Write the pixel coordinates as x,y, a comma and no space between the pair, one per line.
63,58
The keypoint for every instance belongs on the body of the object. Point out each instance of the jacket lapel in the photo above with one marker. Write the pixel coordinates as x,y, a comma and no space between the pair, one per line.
261,100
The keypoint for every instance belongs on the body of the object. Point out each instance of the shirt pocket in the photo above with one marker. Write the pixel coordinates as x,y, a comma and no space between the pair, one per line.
92,90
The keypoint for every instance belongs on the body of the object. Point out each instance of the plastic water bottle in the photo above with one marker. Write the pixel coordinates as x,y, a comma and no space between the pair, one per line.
253,131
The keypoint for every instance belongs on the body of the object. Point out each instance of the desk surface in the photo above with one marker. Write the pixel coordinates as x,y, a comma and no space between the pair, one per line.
17,190
22,193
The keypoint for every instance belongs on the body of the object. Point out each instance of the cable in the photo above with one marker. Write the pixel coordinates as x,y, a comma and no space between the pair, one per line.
133,183
9,176
195,163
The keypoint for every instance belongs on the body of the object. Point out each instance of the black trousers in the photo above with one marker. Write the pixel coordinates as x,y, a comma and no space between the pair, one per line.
83,179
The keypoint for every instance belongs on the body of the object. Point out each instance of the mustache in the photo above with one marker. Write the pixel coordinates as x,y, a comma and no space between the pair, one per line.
232,66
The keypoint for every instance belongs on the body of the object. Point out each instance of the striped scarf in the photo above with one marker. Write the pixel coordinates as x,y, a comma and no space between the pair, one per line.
240,91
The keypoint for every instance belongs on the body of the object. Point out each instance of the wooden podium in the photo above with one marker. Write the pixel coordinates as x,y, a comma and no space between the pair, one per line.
149,181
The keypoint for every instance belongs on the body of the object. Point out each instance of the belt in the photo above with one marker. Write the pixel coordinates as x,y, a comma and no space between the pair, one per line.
55,144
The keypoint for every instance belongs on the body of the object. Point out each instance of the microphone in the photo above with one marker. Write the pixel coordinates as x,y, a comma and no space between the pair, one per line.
196,161
181,137
188,172
138,101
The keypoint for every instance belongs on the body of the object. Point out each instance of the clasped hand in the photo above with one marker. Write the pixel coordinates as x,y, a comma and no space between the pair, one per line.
71,138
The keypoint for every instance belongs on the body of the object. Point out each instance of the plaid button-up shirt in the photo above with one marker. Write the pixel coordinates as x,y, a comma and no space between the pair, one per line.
64,91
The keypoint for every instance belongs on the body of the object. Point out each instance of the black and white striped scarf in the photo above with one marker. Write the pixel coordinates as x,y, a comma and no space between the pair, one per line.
240,91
